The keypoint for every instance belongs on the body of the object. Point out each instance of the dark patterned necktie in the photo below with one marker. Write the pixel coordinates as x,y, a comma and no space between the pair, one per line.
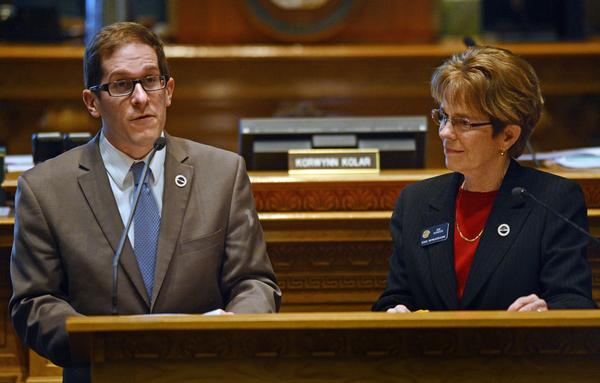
146,224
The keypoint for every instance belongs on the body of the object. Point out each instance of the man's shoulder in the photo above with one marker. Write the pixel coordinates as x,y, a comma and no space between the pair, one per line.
52,170
202,152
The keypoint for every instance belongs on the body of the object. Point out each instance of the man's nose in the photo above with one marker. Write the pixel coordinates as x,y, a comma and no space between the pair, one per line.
139,94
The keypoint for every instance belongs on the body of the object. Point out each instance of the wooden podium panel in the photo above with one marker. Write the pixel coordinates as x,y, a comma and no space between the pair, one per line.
328,240
328,237
555,346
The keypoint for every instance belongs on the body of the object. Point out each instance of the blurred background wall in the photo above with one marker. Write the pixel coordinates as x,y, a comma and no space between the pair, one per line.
258,58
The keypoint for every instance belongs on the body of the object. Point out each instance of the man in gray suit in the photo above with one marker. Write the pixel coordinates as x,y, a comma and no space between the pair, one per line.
206,252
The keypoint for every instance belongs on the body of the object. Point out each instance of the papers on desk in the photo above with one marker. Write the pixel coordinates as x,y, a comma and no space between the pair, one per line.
580,161
18,162
583,158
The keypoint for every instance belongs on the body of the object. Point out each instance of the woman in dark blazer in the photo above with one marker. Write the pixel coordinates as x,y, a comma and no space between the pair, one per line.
462,241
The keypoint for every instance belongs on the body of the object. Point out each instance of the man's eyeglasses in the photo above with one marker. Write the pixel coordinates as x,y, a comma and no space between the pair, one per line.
120,88
460,124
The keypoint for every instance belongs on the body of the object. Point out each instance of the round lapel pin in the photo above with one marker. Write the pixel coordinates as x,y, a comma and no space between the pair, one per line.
503,230
180,180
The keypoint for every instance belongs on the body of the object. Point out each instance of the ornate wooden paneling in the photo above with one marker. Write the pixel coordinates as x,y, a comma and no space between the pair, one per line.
423,347
13,359
278,192
328,237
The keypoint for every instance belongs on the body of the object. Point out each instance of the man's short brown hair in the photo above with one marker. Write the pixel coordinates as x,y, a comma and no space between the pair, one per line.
495,82
113,36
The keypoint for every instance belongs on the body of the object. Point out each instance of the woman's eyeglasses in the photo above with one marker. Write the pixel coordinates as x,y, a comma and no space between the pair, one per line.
460,124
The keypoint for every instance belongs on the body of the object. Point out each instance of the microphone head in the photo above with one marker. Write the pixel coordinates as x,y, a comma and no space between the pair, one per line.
160,143
518,192
469,42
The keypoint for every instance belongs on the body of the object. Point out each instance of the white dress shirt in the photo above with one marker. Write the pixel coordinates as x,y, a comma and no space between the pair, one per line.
118,168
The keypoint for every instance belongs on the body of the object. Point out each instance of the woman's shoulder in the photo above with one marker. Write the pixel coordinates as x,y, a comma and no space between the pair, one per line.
533,175
433,185
545,184
433,182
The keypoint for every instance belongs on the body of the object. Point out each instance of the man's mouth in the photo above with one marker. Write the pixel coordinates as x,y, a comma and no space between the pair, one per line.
142,117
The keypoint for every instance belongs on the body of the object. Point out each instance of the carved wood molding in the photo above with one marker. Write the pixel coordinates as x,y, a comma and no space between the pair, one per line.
328,198
364,343
591,192
366,195
326,283
360,257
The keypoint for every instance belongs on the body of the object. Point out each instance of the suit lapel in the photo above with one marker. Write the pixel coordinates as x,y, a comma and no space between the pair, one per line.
175,201
493,247
441,254
96,188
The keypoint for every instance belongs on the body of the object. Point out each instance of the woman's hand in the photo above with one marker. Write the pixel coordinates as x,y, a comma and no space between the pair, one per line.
398,309
529,303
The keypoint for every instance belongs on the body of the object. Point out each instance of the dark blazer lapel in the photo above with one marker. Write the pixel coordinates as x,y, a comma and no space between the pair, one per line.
95,186
441,254
175,201
492,246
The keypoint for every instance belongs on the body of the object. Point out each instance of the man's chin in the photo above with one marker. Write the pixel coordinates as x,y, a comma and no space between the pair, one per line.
147,136
144,141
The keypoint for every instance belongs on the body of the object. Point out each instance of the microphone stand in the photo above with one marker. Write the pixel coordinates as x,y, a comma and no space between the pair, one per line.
158,145
520,192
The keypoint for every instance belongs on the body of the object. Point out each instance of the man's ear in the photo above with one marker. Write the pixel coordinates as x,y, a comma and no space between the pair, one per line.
91,103
170,89
510,135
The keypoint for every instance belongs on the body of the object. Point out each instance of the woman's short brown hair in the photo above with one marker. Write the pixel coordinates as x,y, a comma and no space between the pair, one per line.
495,82
113,36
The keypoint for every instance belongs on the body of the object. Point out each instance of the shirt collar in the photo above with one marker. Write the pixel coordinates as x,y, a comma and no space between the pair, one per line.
118,164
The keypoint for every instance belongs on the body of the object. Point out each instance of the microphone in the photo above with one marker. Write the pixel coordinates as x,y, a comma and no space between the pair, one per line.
469,41
520,192
159,144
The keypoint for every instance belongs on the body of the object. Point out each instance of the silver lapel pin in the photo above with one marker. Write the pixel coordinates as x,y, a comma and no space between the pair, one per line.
180,180
503,230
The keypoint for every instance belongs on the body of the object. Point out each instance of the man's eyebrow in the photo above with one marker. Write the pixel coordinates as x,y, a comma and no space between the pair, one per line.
128,74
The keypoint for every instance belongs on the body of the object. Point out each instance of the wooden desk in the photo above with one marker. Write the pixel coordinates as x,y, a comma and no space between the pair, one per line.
328,237
328,240
555,346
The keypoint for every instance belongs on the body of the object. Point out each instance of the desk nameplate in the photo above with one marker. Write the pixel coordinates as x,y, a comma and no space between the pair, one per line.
333,161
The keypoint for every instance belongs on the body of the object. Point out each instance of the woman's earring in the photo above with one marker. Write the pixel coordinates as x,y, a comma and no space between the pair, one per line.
502,152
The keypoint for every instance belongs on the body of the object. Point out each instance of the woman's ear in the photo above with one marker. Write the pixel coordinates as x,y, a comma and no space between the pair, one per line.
510,135
91,103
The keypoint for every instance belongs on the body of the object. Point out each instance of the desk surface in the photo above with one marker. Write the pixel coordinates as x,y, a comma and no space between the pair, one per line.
176,52
284,198
337,320
275,179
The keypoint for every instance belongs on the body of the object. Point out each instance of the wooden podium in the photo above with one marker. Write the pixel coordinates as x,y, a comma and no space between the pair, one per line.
554,346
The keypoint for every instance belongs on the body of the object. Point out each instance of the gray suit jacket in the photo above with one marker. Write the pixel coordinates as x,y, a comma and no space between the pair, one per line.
211,252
